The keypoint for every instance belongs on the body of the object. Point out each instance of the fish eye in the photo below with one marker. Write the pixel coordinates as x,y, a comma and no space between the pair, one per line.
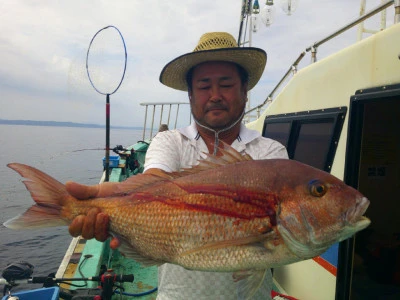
317,188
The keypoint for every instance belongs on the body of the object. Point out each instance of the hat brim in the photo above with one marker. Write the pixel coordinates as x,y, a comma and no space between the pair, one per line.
253,60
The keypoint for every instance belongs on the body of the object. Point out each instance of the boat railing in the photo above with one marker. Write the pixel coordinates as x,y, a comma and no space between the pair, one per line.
313,48
169,121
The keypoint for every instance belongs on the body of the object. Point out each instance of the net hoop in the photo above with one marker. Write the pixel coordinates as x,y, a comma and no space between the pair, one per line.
87,59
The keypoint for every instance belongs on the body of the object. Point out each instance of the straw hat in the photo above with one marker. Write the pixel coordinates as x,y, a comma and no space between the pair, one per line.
215,46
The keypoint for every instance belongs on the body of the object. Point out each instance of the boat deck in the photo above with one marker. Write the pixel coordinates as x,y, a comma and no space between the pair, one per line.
86,258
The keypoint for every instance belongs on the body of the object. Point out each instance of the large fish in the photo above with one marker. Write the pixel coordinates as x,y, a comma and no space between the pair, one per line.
229,213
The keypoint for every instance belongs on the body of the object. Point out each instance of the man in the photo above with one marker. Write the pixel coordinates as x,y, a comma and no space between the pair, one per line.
217,76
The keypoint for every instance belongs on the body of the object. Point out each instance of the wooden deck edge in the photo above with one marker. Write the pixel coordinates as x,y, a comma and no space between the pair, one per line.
67,257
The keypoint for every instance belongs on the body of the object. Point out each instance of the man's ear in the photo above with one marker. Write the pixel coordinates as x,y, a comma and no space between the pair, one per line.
190,95
245,92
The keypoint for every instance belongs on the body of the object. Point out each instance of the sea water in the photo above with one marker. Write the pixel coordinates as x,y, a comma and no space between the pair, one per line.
61,152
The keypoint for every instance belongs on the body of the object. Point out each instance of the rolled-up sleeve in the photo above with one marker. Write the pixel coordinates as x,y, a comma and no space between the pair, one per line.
163,152
265,148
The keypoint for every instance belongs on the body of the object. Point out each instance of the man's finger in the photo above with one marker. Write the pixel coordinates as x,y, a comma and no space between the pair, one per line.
90,222
115,243
75,228
101,227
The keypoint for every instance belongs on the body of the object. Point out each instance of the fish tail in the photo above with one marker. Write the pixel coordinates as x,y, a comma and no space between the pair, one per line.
49,194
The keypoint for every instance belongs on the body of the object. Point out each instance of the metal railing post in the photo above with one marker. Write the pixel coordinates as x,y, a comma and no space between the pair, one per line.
397,11
145,123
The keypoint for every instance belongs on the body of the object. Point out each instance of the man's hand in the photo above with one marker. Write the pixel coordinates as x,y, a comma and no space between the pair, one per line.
95,224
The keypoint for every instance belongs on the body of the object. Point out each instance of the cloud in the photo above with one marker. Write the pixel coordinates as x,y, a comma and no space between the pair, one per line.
43,46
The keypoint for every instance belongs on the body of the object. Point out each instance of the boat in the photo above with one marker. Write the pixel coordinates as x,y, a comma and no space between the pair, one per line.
339,114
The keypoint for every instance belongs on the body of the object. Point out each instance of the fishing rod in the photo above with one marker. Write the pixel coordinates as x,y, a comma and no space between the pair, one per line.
124,153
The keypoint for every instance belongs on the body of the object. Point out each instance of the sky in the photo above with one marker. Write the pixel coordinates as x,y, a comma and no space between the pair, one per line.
44,44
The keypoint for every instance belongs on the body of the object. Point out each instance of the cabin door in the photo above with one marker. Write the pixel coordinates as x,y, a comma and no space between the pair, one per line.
369,263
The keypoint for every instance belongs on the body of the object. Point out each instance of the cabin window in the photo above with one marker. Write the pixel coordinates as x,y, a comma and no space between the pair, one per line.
310,137
278,131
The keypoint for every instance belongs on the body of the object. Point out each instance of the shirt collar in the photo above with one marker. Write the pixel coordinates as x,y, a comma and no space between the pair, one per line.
245,135
190,131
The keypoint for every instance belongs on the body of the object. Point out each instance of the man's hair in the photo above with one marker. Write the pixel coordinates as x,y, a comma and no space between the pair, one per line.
244,76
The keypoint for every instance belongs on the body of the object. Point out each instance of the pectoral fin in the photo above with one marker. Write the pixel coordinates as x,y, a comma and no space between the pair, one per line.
128,251
249,282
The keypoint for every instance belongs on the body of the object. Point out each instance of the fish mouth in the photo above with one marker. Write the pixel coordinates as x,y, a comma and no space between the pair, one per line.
355,215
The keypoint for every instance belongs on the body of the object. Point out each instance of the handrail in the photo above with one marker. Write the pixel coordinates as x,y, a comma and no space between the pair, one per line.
352,24
162,104
292,68
313,48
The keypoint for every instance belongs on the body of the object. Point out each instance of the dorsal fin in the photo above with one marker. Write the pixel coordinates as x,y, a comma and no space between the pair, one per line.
229,156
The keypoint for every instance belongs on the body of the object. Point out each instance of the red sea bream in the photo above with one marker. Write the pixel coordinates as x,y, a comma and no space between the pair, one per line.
227,214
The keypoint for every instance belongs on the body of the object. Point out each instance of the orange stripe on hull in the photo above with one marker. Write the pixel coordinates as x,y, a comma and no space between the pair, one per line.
326,265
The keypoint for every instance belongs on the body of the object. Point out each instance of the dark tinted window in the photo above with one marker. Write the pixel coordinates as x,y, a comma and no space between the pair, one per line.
278,132
313,143
310,137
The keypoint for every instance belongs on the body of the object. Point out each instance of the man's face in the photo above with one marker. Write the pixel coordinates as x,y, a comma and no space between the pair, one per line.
218,97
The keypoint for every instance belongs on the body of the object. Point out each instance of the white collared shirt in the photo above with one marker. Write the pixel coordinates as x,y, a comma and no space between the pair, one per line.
182,148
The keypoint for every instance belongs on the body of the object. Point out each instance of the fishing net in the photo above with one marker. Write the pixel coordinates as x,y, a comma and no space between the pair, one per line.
106,65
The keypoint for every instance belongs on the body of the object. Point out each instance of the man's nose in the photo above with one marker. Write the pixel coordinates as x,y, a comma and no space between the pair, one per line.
215,94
